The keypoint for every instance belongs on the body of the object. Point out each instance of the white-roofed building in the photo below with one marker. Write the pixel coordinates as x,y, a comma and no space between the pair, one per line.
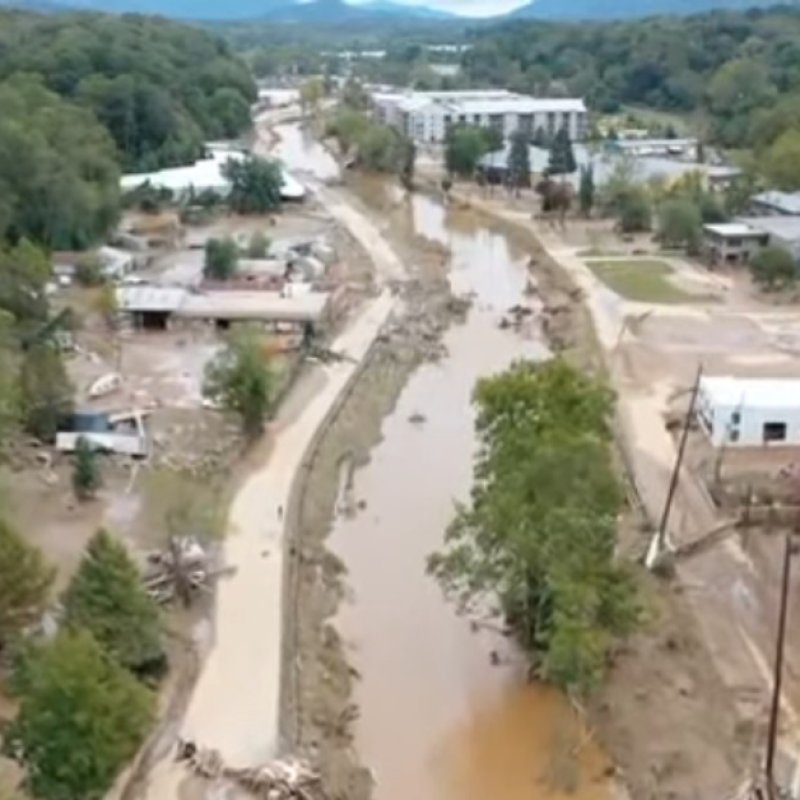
427,116
732,242
750,412
204,175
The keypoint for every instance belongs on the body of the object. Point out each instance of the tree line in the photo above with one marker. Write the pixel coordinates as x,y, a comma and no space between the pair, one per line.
539,530
160,88
741,69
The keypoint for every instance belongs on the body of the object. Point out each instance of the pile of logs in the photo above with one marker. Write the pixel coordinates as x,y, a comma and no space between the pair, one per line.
282,779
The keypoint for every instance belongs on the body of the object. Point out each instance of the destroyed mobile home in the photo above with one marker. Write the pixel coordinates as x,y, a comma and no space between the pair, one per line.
123,433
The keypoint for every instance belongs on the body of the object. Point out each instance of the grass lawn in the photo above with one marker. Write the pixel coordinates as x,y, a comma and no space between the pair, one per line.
642,279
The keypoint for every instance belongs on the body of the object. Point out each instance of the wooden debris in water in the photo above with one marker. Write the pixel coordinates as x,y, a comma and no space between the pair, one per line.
281,779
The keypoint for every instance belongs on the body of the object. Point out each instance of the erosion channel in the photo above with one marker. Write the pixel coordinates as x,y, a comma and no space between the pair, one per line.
439,707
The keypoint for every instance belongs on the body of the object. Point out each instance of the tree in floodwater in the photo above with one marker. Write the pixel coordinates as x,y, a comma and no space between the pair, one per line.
540,529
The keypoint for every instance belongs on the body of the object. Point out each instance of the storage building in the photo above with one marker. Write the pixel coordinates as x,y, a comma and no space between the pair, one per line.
750,412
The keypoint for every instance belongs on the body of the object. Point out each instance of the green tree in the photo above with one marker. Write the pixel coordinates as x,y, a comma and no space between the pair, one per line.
258,246
59,182
634,212
519,165
25,582
85,470
106,597
680,224
240,379
45,391
586,190
24,272
89,271
773,268
311,93
540,529
780,163
255,185
408,159
81,718
354,96
493,137
561,159
221,257
230,111
464,146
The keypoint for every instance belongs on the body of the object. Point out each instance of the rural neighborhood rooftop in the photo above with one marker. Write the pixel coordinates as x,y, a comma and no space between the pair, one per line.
727,229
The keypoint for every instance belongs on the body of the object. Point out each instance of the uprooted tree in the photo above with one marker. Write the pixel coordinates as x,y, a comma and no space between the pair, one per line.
540,529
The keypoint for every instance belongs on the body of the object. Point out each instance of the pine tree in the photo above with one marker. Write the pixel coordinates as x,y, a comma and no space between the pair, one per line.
85,473
107,598
519,165
81,718
586,190
25,581
562,157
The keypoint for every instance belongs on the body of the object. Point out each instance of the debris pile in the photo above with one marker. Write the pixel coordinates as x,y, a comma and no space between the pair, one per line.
281,779
180,572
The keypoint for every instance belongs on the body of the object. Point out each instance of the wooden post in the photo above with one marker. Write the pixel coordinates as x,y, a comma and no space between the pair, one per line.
778,675
673,483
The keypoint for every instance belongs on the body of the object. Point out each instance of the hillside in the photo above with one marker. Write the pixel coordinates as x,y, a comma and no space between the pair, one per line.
628,9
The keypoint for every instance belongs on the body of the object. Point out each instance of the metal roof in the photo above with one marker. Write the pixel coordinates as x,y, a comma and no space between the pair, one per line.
782,227
150,298
232,304
785,202
731,392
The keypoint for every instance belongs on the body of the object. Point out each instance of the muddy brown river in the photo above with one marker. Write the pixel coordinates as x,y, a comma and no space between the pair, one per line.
438,720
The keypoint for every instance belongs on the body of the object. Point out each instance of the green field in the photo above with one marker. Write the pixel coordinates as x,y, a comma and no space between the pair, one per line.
641,279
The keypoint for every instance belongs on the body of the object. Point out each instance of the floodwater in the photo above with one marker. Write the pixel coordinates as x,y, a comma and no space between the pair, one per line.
439,721
302,153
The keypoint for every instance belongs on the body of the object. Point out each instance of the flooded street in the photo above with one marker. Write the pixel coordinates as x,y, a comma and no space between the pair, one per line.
437,719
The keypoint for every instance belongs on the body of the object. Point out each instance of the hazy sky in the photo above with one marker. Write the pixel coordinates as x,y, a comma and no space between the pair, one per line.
472,8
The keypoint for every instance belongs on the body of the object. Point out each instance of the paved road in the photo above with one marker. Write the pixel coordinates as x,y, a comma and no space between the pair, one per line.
234,706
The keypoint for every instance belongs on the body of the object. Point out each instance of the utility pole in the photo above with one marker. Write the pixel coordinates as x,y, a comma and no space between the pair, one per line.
776,690
661,536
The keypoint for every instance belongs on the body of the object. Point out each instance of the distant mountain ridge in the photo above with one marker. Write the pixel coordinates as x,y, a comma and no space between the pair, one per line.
574,10
338,12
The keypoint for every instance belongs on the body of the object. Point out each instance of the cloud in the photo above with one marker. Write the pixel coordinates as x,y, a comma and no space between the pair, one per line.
467,8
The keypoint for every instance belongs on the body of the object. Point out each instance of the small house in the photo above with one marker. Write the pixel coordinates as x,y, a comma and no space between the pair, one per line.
749,412
732,242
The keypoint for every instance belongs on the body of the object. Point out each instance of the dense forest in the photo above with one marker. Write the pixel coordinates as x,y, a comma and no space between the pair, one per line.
159,87
85,96
741,69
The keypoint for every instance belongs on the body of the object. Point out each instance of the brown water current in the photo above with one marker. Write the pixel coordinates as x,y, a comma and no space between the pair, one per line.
439,721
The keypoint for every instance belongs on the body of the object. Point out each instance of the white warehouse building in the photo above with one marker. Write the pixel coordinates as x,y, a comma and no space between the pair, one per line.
750,412
426,116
